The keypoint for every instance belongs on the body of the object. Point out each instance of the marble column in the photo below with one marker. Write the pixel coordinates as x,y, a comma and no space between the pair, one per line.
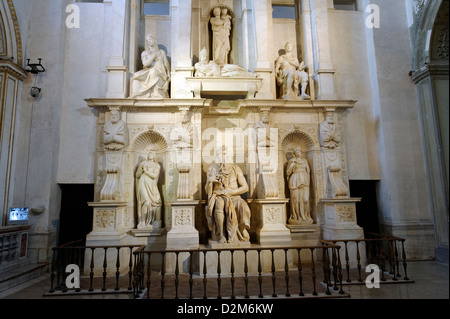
263,29
117,70
182,68
324,69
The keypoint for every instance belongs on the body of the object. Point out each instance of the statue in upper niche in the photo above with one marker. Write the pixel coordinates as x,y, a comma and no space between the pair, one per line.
153,80
221,28
290,74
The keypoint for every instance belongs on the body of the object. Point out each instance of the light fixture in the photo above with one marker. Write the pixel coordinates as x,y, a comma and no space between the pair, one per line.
35,68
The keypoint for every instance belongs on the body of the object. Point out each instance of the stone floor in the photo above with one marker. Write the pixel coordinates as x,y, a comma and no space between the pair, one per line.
431,281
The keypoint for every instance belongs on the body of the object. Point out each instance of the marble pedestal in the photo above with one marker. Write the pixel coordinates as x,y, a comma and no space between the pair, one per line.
340,224
305,235
107,231
183,235
206,86
272,228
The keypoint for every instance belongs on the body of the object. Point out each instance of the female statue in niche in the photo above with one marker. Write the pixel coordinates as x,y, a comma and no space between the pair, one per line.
221,28
147,194
153,80
298,172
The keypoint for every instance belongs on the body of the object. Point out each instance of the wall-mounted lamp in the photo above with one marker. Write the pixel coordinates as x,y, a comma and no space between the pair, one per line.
35,68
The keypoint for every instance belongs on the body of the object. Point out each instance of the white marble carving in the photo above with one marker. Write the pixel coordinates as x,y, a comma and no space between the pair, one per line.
111,190
182,132
207,68
153,80
147,193
299,174
115,132
267,151
227,214
221,28
329,135
182,139
291,74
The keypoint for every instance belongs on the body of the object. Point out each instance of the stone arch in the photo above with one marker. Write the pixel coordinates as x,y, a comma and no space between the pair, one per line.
426,16
144,143
297,138
150,141
431,69
10,38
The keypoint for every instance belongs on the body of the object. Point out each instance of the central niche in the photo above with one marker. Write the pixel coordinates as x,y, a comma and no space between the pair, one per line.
221,23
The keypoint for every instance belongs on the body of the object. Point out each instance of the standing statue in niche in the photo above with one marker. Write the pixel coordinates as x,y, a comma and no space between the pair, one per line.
290,74
329,135
221,28
153,80
148,197
227,214
298,172
115,134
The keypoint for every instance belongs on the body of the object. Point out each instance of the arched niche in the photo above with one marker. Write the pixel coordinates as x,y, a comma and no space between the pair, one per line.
231,54
146,142
300,139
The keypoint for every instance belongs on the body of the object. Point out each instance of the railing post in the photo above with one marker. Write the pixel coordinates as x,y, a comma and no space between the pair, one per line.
341,291
347,264
259,274
52,274
117,269
219,280
205,271
149,273
246,274
404,260
274,278
163,273
130,269
232,274
91,273
313,270
191,273
286,270
177,273
326,268
300,276
105,265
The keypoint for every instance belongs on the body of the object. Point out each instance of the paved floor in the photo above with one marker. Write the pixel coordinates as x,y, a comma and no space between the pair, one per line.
431,281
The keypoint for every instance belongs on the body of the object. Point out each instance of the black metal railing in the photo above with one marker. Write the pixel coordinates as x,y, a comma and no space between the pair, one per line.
244,272
218,282
101,277
386,252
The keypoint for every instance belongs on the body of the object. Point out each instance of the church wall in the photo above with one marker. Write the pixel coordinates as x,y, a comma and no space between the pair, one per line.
352,78
83,76
39,124
403,201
